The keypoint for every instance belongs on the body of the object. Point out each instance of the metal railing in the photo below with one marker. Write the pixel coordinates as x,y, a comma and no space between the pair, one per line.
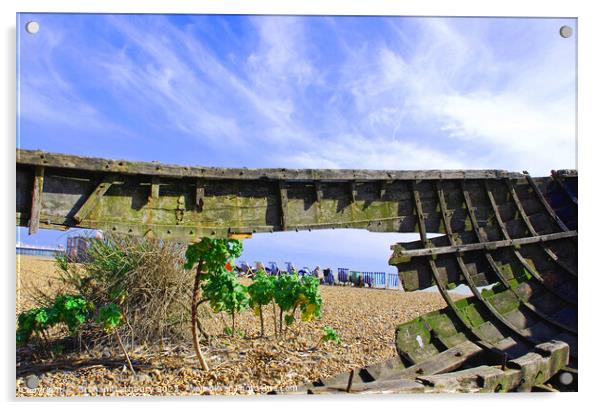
41,251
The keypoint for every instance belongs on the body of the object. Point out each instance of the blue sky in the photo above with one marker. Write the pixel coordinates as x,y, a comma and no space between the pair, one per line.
327,92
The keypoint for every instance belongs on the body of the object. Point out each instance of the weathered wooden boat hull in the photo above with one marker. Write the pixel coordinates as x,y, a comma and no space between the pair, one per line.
510,238
190,202
515,247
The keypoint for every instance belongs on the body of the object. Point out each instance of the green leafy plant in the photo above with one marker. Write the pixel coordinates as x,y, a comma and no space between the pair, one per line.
110,317
124,280
292,293
310,299
330,335
287,290
214,254
261,293
226,294
71,310
214,259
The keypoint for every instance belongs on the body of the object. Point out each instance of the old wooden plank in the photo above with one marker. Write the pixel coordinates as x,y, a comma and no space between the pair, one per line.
419,212
319,196
545,203
283,205
353,191
525,218
258,209
94,198
487,303
199,196
483,379
36,199
382,189
518,256
411,253
444,362
470,331
459,255
155,187
522,373
538,366
319,191
393,369
444,212
353,197
496,211
519,207
380,387
30,157
563,187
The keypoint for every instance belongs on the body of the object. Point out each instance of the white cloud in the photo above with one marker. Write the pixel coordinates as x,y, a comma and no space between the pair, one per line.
516,113
357,151
280,55
438,97
533,137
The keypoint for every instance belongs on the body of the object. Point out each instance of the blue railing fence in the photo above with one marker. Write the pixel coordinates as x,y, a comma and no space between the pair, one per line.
381,280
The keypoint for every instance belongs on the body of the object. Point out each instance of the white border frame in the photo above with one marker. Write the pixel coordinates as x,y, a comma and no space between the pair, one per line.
589,132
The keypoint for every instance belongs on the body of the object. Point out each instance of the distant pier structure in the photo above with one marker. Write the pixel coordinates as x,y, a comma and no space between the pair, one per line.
41,251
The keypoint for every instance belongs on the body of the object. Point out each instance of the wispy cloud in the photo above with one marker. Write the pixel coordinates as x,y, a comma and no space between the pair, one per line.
358,151
48,95
486,110
300,91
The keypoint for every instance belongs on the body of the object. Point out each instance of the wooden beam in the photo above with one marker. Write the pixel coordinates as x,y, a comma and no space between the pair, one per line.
231,201
489,305
532,231
470,331
353,191
419,213
522,373
410,253
239,235
36,200
199,198
545,203
564,188
319,192
525,265
94,198
41,158
383,189
155,184
319,196
283,205
446,361
443,362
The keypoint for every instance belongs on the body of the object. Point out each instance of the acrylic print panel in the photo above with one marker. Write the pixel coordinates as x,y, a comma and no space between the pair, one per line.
237,204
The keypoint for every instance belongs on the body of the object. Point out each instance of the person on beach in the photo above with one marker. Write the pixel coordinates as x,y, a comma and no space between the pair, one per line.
319,274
